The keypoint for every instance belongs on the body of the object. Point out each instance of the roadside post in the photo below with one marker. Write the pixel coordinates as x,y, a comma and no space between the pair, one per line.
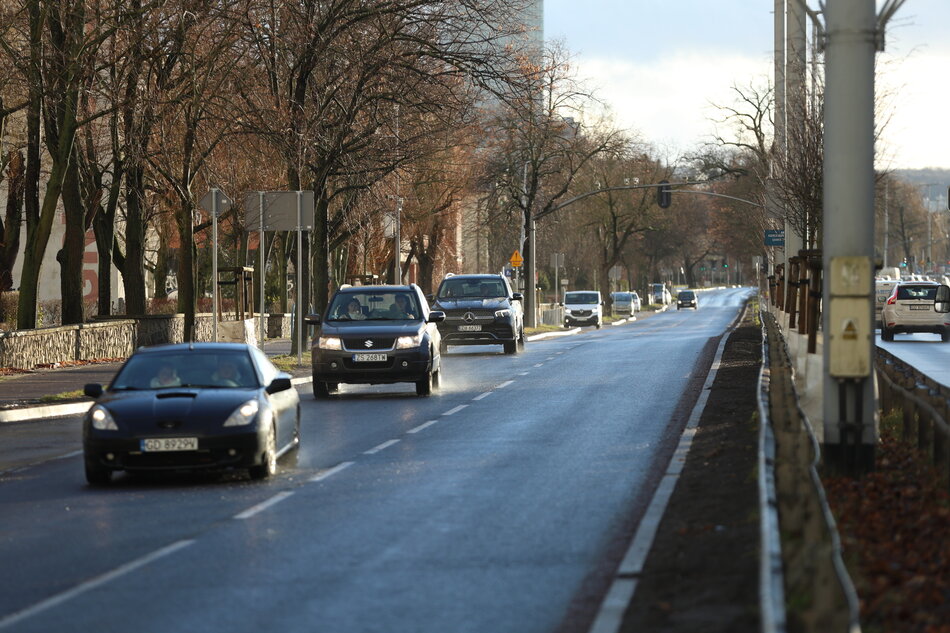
215,202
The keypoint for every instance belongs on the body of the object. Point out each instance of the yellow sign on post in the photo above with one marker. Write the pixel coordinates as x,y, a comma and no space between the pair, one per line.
516,259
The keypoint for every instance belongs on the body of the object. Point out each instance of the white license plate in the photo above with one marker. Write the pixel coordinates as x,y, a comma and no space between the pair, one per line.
470,328
164,444
370,358
919,307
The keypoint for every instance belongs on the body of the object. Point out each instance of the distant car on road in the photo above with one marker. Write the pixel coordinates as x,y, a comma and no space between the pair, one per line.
625,302
687,299
191,406
480,309
911,308
583,307
376,335
660,295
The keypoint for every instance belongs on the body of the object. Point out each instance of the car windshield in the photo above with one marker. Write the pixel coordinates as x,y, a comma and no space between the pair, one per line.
917,292
622,296
472,289
581,297
370,305
686,295
191,368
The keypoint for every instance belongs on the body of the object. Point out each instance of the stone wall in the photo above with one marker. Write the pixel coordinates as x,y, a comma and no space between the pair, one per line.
109,338
278,326
25,349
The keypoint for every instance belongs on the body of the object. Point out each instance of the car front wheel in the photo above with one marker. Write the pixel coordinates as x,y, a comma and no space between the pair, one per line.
268,466
96,475
887,334
424,386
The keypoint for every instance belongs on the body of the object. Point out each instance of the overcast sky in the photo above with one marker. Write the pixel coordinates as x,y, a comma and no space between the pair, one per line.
660,63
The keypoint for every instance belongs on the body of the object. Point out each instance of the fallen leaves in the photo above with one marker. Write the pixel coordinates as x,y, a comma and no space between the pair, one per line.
895,526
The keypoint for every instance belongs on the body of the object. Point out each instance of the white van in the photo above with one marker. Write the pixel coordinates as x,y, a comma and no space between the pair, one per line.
583,307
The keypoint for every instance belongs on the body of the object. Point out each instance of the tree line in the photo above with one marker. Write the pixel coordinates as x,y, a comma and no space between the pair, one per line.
123,113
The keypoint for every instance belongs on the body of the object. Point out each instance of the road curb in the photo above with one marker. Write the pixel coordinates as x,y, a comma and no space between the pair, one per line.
48,411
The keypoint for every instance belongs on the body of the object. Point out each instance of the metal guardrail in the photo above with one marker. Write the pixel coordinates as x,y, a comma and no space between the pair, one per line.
926,408
771,590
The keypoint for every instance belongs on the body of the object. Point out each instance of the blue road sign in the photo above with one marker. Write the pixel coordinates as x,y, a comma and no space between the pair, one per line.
775,237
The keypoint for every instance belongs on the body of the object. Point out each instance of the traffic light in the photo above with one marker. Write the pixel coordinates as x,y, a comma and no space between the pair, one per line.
725,263
664,194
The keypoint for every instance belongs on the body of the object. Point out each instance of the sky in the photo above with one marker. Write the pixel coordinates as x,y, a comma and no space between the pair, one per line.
661,64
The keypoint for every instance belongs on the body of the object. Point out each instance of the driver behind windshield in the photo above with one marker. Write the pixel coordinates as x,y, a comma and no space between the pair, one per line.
402,308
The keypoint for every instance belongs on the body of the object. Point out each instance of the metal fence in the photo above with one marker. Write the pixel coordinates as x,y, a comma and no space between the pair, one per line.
925,404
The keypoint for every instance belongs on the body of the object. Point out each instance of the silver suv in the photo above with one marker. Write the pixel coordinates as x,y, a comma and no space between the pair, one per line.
911,308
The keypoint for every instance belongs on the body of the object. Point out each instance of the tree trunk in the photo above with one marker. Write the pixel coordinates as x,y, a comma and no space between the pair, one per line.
133,270
186,270
37,236
13,219
70,257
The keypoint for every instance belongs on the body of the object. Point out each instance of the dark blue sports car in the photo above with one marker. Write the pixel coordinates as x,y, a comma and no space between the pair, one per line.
191,406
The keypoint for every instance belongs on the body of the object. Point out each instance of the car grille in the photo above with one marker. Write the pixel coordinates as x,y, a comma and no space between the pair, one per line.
358,344
583,313
477,317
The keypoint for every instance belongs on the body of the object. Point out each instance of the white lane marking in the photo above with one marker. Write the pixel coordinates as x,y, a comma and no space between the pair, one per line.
98,581
422,426
455,410
539,365
331,471
482,395
381,447
550,358
504,384
524,373
263,505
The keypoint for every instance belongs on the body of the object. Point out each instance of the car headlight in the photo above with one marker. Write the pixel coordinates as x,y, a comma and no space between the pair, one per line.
567,311
409,342
102,419
244,414
502,314
329,342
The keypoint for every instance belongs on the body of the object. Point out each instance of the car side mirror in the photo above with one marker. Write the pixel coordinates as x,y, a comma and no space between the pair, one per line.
517,296
312,319
281,383
942,302
93,390
436,316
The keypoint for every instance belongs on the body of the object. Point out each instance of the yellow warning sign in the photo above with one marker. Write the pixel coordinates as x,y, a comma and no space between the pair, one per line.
850,331
516,259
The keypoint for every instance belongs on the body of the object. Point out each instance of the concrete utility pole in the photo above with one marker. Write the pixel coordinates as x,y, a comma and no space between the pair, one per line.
775,210
850,412
795,64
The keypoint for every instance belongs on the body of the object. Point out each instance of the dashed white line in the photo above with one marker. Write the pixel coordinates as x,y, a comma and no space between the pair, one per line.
422,426
455,410
482,395
381,447
60,598
260,507
330,471
539,365
504,384
524,373
550,358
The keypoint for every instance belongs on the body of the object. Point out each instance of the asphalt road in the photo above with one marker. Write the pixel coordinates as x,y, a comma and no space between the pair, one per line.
924,351
501,504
